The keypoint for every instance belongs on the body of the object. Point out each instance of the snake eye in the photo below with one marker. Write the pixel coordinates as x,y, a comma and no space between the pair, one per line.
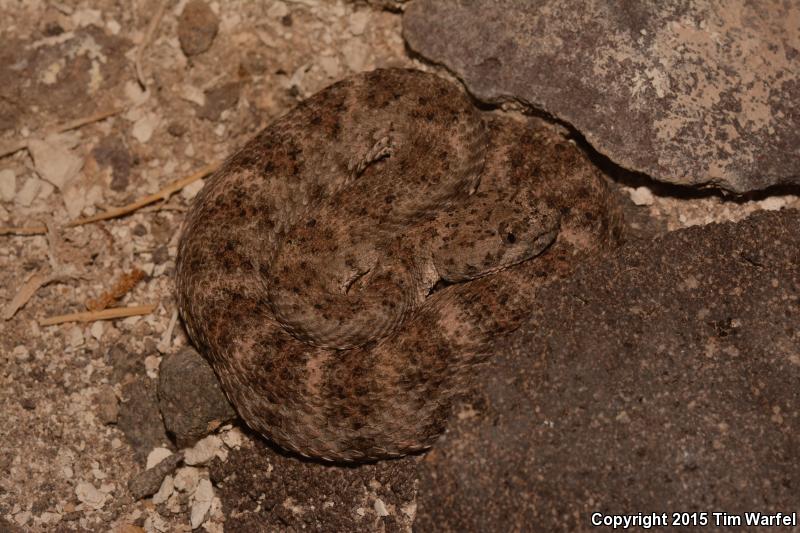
511,238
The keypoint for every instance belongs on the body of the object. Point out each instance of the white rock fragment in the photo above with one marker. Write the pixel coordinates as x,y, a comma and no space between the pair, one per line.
380,508
191,190
642,196
22,518
410,510
98,474
290,504
97,330
49,75
49,518
773,203
193,94
201,503
155,522
165,491
54,161
278,10
330,64
21,352
144,127
233,439
147,268
186,479
75,200
230,22
134,93
46,190
27,194
113,27
356,54
156,456
88,495
86,17
358,22
205,450
151,364
8,184
75,336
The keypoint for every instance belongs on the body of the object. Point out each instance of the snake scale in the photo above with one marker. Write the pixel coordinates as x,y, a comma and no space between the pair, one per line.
347,269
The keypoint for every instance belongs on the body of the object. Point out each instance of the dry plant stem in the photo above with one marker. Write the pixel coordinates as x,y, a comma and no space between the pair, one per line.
22,230
166,338
105,314
74,124
151,31
163,194
29,288
57,272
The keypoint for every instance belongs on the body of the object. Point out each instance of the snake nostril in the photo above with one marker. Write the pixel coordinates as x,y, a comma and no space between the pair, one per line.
511,238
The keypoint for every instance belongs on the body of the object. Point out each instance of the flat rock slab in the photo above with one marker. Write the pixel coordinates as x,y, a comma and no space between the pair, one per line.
665,379
689,93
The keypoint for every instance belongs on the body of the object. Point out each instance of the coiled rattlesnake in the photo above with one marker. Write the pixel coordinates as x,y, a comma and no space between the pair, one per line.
346,270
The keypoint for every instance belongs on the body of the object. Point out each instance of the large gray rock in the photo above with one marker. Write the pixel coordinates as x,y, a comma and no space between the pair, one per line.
665,379
688,92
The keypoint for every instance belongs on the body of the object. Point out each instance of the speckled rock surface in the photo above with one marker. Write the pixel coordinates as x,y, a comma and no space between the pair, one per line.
140,419
190,399
148,482
689,93
664,379
197,27
262,490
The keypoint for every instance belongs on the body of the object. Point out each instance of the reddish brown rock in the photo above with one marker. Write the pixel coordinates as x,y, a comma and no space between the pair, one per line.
197,27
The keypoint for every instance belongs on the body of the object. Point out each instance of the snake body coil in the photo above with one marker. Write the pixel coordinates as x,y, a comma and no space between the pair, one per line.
310,267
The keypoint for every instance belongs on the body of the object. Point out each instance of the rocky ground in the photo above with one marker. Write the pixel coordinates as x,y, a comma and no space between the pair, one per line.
103,103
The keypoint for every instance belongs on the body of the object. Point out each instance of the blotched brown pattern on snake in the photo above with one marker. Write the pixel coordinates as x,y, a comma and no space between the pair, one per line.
346,270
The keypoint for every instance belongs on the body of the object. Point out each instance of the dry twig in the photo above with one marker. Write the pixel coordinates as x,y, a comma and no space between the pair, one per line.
163,194
166,339
105,314
22,230
148,37
25,293
56,271
71,125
